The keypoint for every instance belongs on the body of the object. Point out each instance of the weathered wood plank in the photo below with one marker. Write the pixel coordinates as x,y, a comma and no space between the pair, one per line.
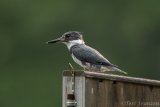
108,90
117,94
67,89
74,86
80,91
114,77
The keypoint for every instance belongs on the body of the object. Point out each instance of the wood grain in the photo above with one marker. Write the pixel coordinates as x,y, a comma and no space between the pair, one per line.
108,90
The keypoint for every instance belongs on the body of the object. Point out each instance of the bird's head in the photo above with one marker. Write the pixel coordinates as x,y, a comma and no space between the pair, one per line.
69,38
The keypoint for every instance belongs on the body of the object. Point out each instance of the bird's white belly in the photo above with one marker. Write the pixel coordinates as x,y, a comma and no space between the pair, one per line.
77,61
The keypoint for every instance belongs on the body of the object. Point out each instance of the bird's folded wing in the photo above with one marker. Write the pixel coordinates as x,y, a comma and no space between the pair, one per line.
90,55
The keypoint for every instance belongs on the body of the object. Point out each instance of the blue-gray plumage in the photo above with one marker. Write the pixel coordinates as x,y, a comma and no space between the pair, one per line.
87,57
90,55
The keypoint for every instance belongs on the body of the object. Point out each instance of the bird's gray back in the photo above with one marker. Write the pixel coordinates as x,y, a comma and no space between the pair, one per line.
87,54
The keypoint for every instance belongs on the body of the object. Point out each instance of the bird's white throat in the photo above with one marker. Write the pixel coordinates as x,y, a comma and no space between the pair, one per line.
74,42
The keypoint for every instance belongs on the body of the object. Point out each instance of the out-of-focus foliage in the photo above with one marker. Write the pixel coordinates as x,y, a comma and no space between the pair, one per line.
126,32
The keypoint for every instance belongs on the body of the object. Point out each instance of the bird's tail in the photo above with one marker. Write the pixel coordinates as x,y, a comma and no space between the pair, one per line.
114,69
117,69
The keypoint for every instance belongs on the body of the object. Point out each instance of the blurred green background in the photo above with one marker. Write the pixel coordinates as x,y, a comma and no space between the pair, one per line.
126,32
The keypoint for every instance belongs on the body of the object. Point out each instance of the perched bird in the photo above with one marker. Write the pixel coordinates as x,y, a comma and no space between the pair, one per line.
87,57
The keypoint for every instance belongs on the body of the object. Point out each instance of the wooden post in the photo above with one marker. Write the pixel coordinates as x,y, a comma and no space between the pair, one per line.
91,89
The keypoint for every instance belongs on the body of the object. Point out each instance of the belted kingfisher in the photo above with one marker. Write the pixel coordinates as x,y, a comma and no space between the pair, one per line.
87,57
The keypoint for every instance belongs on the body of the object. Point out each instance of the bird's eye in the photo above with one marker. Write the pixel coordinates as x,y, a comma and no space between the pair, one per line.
68,35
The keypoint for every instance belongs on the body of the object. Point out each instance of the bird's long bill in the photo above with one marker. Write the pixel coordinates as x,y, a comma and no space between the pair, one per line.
58,40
